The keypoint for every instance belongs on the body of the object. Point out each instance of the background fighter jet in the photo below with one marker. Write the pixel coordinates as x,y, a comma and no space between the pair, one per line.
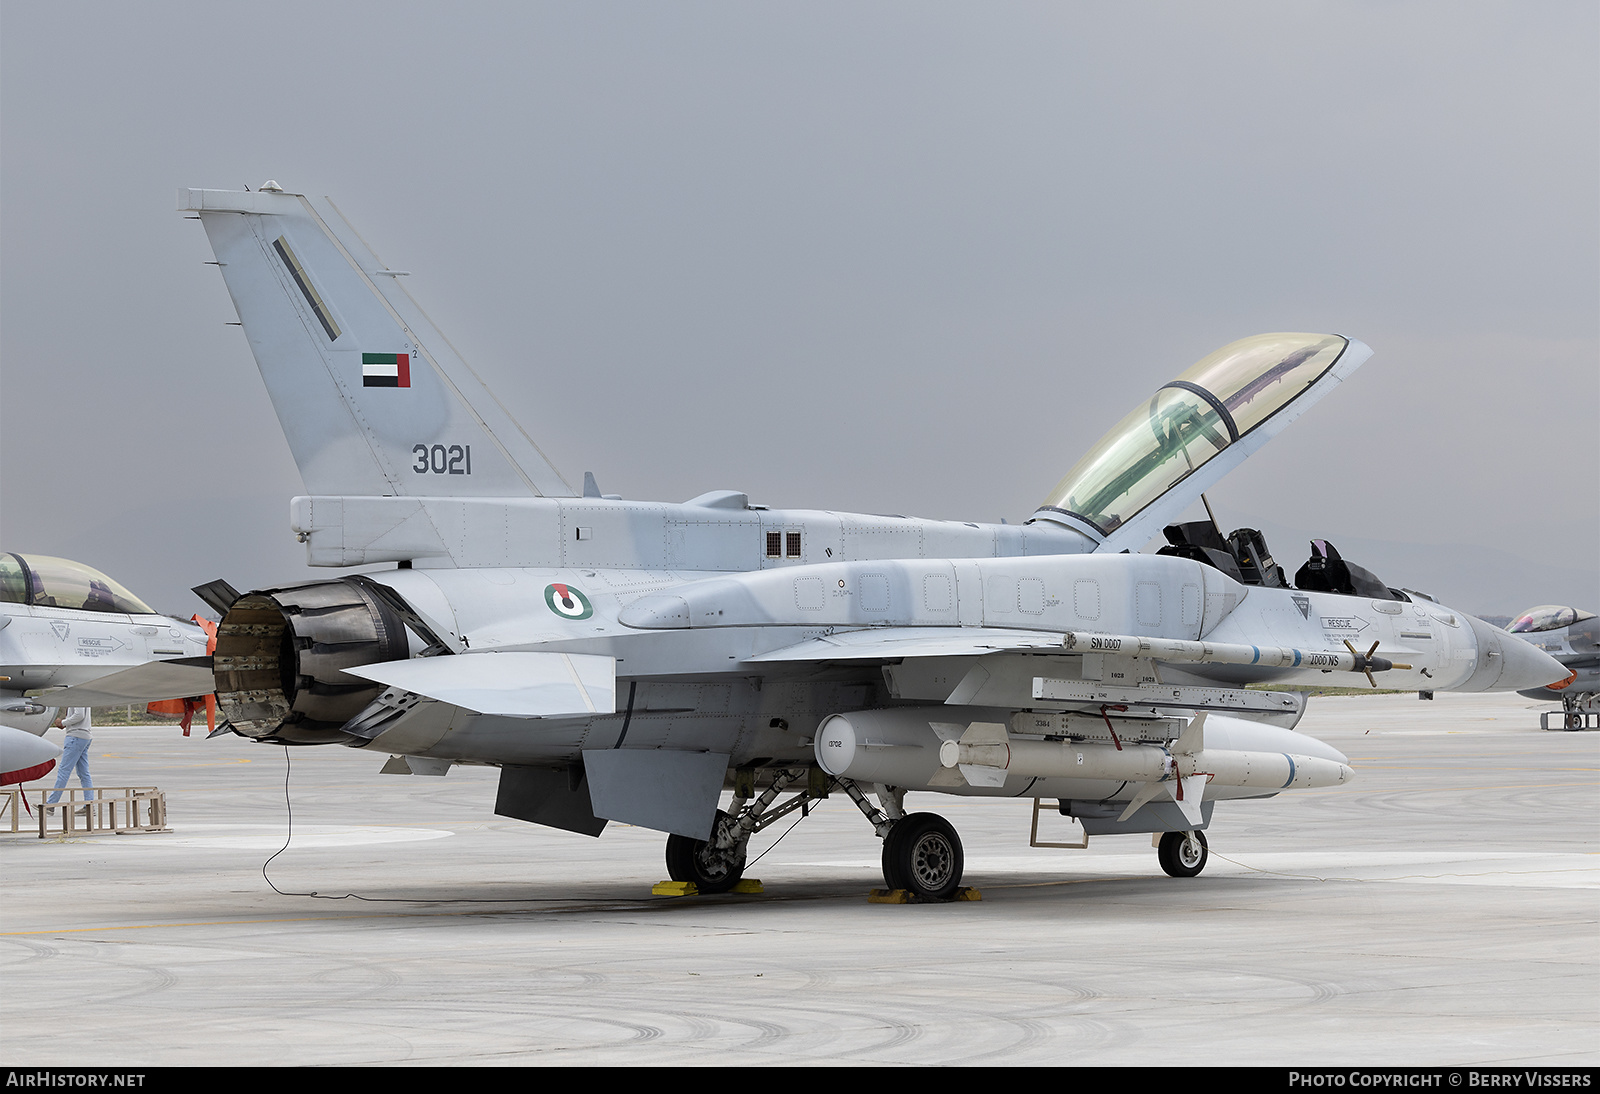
68,627
1572,637
624,660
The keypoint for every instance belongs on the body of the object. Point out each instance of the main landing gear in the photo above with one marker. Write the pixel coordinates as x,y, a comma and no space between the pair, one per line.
717,864
922,855
1183,854
712,868
921,852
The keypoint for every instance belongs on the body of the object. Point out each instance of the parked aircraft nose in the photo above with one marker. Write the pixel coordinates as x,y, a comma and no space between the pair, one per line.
1507,663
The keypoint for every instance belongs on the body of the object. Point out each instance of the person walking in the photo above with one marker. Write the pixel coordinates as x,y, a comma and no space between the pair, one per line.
75,753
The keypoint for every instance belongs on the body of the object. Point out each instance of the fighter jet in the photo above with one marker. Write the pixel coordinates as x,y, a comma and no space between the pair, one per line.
86,641
629,660
1572,637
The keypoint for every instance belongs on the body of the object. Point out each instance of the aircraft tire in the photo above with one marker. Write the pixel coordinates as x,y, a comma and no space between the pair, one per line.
686,862
892,878
1178,858
922,855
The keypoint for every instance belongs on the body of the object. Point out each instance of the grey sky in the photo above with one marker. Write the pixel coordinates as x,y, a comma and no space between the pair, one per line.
880,257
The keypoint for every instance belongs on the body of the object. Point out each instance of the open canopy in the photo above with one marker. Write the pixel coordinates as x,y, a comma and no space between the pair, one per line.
1189,422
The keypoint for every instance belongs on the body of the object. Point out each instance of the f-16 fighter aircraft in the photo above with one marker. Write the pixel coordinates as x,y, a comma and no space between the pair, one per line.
69,628
1572,637
627,660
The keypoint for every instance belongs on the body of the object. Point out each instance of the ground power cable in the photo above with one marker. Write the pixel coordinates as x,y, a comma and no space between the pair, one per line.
288,838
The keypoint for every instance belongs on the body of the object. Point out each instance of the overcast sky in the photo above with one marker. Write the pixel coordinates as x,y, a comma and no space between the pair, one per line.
881,257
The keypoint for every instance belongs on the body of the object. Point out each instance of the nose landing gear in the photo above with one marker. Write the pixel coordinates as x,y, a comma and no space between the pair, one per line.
1183,854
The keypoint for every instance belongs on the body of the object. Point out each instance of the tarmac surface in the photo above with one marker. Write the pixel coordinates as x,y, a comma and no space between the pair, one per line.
1440,910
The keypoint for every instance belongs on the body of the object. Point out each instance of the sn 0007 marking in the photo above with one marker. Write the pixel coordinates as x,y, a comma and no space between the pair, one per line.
439,460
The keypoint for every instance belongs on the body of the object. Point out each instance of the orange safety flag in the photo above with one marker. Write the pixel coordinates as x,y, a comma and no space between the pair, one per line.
187,707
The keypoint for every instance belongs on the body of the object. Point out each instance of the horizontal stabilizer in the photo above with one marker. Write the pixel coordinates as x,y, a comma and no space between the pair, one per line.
179,678
513,685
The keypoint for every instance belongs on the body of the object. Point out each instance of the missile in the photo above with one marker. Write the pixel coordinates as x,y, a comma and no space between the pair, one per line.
913,747
1179,651
988,747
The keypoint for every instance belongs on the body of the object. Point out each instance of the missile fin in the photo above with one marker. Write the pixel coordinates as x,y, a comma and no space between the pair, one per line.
1193,738
1146,793
978,775
1194,788
985,733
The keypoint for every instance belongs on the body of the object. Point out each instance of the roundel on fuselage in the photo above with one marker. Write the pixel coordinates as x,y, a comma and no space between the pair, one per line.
567,601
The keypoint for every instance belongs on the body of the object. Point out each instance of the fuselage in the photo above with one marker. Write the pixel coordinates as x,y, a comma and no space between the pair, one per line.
694,650
44,647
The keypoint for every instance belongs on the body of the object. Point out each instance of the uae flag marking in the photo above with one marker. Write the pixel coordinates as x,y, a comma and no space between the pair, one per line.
386,370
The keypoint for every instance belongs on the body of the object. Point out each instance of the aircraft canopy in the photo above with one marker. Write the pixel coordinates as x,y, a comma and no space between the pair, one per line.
1547,617
46,582
1189,421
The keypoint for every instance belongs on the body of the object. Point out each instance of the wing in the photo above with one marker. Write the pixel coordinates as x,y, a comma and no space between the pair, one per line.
179,678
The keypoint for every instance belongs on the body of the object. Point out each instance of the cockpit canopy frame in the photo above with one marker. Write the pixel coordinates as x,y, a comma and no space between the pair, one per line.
1229,403
44,581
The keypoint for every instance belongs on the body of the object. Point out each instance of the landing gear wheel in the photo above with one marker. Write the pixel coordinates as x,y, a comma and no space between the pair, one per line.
1574,721
892,876
688,860
1183,854
922,854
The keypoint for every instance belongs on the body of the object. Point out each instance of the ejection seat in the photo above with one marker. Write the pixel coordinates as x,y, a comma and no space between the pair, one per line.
1243,556
1326,572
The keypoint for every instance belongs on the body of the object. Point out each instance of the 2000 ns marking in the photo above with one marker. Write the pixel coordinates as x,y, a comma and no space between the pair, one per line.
439,460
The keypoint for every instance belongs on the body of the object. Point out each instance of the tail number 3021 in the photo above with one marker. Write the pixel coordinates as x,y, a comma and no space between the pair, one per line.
439,460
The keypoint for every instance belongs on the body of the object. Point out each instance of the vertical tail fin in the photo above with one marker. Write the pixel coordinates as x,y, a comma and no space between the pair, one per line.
372,398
